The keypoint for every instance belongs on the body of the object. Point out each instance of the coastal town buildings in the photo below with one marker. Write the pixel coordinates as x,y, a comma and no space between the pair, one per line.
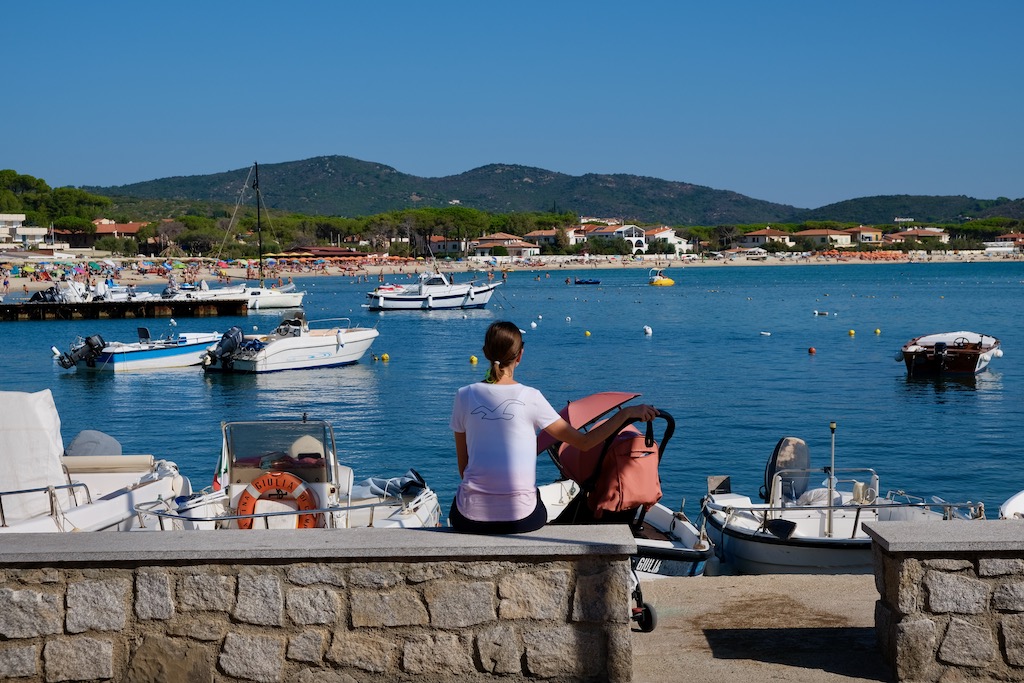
759,238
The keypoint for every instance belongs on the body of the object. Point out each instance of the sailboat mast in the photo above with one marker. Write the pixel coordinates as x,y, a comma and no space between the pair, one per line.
259,226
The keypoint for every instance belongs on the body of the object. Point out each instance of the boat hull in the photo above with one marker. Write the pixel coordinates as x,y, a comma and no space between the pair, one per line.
752,552
447,298
331,348
126,357
262,298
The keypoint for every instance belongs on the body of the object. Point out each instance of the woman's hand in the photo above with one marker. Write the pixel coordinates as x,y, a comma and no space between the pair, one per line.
643,413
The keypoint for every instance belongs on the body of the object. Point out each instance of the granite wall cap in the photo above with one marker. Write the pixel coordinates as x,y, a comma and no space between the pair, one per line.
396,545
955,536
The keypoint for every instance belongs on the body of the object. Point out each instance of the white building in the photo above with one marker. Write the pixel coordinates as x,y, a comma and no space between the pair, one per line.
633,234
540,237
664,233
13,231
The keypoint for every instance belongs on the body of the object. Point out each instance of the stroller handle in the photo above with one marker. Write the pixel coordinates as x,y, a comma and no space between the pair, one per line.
670,428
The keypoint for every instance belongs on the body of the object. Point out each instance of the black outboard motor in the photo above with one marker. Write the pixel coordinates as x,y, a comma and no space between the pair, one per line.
227,345
87,351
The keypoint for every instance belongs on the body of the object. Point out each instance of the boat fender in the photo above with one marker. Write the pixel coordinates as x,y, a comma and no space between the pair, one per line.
430,301
341,339
282,484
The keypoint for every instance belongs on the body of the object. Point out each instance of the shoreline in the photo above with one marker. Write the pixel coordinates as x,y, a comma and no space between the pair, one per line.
25,285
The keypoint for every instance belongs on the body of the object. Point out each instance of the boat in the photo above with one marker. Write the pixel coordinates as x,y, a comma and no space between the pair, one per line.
295,344
949,353
1013,507
285,474
801,526
587,281
433,291
668,543
256,298
91,486
171,351
657,278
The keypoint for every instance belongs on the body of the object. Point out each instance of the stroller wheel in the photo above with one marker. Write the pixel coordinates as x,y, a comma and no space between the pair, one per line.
646,618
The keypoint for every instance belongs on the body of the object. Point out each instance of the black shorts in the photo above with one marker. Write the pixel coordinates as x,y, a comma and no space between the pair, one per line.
532,522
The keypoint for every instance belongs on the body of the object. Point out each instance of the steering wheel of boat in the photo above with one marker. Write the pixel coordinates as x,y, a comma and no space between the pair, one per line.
960,342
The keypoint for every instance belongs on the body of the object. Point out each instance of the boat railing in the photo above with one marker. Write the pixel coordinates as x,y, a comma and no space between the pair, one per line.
783,483
150,509
52,492
348,321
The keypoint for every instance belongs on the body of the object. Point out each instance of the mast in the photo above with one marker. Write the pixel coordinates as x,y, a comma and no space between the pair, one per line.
259,227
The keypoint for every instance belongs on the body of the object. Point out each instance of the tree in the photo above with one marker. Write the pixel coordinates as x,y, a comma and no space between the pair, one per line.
75,224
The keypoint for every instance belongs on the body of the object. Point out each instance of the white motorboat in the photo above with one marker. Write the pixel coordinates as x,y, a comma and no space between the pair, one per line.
89,487
433,291
266,298
800,528
949,353
1013,507
172,351
285,474
293,345
256,298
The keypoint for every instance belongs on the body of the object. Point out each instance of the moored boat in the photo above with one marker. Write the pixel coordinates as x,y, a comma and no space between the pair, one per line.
172,351
433,291
949,353
295,344
285,474
802,527
91,486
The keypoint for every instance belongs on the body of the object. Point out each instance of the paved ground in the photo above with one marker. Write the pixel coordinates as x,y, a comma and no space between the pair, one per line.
805,629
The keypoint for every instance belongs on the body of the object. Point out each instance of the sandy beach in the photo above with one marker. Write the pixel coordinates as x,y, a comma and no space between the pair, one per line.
20,287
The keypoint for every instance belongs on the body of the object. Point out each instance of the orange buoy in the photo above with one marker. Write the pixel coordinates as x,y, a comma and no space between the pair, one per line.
812,350
284,485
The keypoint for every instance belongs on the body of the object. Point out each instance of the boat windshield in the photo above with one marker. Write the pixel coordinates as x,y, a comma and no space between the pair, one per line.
302,448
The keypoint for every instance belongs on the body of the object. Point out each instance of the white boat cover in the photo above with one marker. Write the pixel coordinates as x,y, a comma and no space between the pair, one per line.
30,451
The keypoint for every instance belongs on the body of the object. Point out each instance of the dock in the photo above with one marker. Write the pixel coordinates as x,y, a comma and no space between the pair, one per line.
149,308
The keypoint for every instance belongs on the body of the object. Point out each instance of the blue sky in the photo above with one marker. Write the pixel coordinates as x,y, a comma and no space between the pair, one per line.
802,103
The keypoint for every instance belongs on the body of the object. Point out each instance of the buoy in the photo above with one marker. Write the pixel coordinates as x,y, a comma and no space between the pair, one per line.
385,357
812,350
878,331
766,334
473,360
540,317
568,319
648,331
587,333
851,333
533,326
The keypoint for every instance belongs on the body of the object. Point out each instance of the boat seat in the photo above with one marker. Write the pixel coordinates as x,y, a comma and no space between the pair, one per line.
144,336
306,446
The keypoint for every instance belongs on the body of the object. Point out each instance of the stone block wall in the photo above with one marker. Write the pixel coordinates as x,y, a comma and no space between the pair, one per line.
952,599
472,613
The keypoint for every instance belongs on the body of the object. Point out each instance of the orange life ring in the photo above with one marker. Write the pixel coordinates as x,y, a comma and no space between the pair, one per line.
284,485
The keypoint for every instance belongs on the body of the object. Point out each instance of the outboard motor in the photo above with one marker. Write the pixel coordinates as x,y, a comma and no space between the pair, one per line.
87,351
227,345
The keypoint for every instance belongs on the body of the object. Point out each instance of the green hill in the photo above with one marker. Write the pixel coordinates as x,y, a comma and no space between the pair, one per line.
343,186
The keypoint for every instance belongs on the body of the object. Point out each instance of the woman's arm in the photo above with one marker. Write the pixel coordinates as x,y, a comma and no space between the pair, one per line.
462,451
563,431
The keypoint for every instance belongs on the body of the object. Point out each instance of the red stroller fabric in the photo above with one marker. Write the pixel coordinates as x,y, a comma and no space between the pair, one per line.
628,477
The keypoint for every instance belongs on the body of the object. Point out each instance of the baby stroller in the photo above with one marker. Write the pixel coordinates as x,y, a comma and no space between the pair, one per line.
620,484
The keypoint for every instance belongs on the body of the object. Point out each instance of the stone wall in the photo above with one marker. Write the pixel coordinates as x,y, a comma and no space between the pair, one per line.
317,605
952,599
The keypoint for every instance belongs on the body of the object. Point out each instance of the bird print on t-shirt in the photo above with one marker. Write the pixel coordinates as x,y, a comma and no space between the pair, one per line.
501,412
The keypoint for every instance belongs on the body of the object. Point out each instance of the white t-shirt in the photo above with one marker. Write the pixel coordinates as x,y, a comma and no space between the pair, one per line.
501,422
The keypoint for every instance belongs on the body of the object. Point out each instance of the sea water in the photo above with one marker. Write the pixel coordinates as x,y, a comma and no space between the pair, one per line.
727,357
